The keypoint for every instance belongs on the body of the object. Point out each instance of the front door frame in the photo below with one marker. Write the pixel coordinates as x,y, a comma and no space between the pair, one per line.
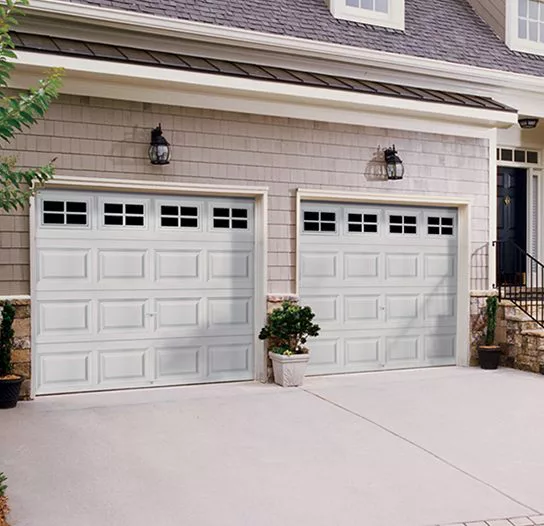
464,212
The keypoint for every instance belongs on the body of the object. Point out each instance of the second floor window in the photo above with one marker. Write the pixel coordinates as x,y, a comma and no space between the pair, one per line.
531,20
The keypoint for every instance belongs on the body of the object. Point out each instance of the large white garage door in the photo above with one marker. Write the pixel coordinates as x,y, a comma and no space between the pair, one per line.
137,290
382,281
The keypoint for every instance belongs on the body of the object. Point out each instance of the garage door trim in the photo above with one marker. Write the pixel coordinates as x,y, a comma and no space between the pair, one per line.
463,206
260,196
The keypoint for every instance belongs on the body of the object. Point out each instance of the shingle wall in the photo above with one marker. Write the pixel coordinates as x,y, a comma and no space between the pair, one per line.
493,12
96,137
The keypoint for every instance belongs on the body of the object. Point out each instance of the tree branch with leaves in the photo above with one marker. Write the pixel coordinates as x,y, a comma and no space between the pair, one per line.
18,112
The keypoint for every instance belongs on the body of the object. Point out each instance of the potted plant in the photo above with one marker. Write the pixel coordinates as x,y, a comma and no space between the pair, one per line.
287,330
10,384
489,354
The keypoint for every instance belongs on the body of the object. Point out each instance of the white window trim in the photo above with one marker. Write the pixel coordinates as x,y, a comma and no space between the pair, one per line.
512,40
393,19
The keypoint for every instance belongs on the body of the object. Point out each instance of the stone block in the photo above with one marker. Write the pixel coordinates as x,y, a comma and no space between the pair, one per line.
20,355
22,369
21,327
25,390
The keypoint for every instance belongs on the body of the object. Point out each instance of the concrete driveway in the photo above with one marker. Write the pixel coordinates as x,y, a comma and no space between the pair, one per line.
407,448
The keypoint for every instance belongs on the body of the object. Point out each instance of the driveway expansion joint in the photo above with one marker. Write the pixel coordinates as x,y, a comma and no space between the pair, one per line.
440,459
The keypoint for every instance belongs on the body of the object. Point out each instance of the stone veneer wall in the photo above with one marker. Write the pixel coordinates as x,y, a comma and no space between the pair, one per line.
21,355
477,322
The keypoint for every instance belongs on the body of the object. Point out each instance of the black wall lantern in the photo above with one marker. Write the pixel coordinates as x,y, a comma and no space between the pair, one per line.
159,149
395,168
528,123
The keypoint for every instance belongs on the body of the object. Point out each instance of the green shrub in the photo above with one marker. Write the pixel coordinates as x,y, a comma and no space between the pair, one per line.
6,338
3,486
492,304
288,329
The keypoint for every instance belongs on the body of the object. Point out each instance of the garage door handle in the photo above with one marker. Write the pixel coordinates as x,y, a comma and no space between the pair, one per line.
151,314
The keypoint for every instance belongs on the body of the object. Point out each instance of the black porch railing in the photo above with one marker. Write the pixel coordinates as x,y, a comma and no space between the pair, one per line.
520,279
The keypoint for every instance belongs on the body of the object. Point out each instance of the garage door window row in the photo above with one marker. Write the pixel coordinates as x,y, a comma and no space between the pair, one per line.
120,214
369,223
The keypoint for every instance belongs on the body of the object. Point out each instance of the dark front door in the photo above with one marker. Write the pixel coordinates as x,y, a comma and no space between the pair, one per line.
511,224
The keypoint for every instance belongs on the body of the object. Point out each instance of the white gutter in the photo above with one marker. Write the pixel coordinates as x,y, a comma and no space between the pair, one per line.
191,82
280,43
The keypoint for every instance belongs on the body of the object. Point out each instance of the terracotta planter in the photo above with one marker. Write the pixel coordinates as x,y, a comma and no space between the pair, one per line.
489,356
9,392
289,370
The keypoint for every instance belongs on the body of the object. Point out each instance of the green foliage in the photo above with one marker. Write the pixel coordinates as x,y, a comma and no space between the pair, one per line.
288,329
492,304
6,338
3,486
19,112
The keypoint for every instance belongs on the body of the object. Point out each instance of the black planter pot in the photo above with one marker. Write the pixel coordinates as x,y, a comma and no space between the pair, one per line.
9,392
489,356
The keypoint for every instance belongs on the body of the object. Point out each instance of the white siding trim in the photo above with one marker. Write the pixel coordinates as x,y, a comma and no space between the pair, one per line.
463,206
260,195
33,304
492,261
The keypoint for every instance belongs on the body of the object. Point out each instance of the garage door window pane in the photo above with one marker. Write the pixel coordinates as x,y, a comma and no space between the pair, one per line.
233,218
319,221
124,214
403,224
64,213
179,216
367,223
440,226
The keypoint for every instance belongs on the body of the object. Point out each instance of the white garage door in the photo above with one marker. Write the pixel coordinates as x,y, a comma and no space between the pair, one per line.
136,290
382,281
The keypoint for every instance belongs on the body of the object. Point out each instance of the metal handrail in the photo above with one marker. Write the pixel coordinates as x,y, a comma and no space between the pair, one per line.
520,279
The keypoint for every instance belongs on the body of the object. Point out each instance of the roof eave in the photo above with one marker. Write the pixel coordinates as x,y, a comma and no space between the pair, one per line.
285,44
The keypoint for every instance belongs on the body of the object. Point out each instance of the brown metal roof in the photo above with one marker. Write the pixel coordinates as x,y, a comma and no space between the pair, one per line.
62,46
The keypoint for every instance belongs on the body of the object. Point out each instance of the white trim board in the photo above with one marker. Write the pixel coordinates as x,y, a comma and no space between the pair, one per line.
201,90
259,194
463,206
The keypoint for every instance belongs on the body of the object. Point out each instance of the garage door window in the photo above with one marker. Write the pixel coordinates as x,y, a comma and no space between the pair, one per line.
64,213
319,221
399,224
233,218
124,214
175,216
363,223
440,226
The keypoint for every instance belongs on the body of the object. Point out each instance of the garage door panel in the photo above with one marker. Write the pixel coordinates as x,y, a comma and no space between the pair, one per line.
67,370
180,361
178,265
226,359
395,300
178,314
440,346
60,317
363,352
362,308
365,266
324,355
122,365
123,265
122,315
140,298
63,264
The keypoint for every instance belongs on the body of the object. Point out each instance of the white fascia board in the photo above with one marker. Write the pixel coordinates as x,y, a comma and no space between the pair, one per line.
280,43
202,85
